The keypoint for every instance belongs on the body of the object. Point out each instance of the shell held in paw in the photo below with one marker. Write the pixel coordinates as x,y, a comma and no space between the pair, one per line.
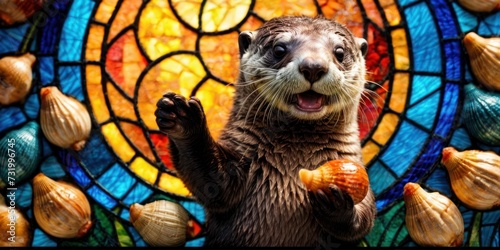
474,177
160,223
432,219
349,176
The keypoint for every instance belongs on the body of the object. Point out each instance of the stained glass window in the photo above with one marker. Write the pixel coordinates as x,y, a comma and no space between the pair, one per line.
119,56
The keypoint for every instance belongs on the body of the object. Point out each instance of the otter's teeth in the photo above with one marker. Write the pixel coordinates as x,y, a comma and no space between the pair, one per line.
310,101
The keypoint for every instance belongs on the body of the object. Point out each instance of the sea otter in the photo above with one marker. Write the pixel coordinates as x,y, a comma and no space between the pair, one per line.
295,106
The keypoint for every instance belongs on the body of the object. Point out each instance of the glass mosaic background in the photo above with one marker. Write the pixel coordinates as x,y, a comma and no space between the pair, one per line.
119,56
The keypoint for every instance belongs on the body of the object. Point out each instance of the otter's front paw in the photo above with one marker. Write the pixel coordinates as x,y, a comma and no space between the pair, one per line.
331,202
178,117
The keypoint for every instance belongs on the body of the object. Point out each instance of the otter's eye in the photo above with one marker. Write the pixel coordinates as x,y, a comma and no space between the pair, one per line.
279,51
339,54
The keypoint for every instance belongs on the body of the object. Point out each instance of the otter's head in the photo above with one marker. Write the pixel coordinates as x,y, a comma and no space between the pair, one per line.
310,68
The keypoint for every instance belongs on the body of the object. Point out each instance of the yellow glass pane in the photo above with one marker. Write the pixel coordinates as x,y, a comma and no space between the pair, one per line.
268,9
126,16
173,184
105,10
121,106
94,42
221,55
219,15
144,170
137,137
179,73
385,128
94,90
372,12
400,47
391,12
187,10
345,12
160,32
217,100
116,140
369,151
399,92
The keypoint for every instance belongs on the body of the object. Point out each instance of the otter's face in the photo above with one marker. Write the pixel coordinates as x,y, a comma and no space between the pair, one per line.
307,67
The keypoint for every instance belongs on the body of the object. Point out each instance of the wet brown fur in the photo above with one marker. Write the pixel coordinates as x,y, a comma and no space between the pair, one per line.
248,179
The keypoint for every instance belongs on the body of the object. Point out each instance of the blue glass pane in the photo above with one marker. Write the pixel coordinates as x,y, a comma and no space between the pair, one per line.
439,182
71,81
460,139
70,45
137,195
466,20
52,168
75,169
52,26
424,112
424,39
196,242
380,177
125,214
490,26
23,195
453,53
139,242
95,155
446,19
32,106
12,38
47,150
117,180
423,86
195,209
46,65
407,143
10,117
406,2
448,109
102,197
40,239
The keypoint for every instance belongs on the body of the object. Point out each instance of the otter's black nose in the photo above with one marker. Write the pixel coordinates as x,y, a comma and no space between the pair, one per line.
312,69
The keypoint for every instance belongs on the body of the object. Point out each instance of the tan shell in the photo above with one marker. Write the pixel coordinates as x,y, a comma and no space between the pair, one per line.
432,219
16,78
60,208
484,56
64,120
349,176
160,223
480,5
474,177
15,229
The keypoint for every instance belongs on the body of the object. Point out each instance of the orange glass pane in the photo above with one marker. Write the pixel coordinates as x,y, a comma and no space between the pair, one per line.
94,43
385,128
219,15
220,54
399,92
105,10
345,12
160,32
372,12
136,136
251,24
173,184
179,73
121,106
116,140
217,100
126,16
369,151
144,170
391,12
400,48
94,90
268,9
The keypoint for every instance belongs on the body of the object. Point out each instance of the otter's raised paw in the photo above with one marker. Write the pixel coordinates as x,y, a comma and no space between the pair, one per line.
178,117
331,202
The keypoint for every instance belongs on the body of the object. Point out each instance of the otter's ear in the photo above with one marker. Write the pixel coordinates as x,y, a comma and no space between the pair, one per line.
244,40
362,45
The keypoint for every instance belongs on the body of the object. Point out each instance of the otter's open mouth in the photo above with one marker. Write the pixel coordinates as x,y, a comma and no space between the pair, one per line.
309,101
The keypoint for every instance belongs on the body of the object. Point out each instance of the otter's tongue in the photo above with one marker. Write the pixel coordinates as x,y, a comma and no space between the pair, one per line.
309,101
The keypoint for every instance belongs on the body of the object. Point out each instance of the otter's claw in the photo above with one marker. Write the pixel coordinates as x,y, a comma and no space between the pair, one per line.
331,202
179,117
